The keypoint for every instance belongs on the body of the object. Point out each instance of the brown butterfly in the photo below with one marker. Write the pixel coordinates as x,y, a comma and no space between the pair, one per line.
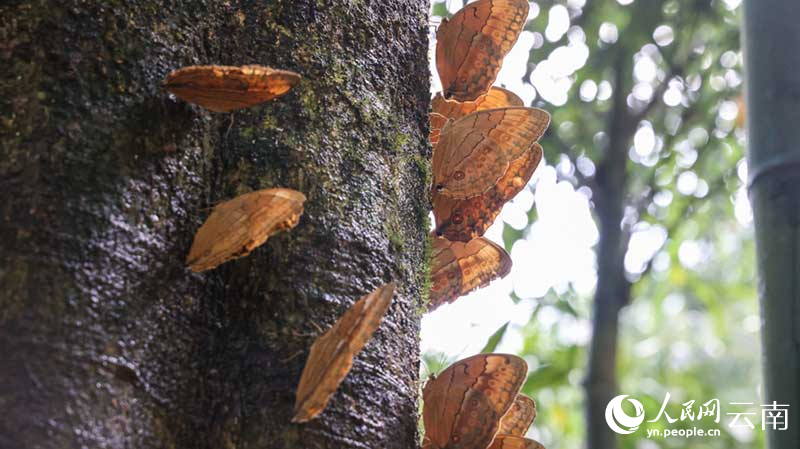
225,88
471,45
332,353
475,151
237,227
514,442
464,220
519,417
496,97
441,109
464,404
458,268
437,123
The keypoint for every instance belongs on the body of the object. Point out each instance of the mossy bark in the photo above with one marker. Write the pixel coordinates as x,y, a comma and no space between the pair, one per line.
107,340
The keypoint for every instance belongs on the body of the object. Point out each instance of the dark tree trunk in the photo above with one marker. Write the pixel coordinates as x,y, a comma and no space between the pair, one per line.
612,292
773,112
106,339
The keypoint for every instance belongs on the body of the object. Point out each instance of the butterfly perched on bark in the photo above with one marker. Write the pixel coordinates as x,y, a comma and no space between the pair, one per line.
457,268
515,424
227,88
471,45
519,417
332,353
514,442
475,151
238,226
442,109
466,219
463,405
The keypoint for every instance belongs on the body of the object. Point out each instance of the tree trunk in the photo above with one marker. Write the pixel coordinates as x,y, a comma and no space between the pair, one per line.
612,292
773,112
107,339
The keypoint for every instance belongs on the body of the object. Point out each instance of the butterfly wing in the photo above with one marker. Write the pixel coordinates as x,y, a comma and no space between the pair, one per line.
464,220
519,417
238,226
464,404
227,88
475,151
437,123
497,97
332,353
471,45
458,268
442,109
514,442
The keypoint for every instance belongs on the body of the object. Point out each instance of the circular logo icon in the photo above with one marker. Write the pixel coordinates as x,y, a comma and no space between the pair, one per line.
618,420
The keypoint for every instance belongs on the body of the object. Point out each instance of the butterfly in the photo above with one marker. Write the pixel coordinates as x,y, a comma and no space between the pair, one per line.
441,109
463,405
332,353
514,442
238,226
519,417
464,220
475,151
225,88
471,45
457,268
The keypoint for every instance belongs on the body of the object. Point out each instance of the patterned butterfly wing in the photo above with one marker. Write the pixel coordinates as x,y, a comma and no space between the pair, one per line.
471,45
226,88
237,227
458,268
475,151
332,353
464,404
441,109
519,417
464,220
514,442
437,123
497,97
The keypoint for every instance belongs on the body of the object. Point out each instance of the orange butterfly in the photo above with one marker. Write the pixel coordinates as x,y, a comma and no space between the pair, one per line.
475,151
237,227
225,88
471,45
514,442
519,417
332,353
464,404
464,220
437,123
458,268
441,109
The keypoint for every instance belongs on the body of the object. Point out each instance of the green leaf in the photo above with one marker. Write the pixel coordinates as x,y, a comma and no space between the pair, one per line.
494,340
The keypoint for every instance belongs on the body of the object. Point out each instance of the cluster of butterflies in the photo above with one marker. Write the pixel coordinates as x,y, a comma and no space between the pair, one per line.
475,404
485,152
485,145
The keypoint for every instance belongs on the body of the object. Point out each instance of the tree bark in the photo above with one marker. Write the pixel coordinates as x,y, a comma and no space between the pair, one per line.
107,339
773,112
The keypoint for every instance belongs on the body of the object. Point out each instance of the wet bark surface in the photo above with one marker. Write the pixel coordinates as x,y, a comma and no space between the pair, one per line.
107,339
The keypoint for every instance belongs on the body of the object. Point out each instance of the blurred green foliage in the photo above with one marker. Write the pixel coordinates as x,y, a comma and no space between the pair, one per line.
692,327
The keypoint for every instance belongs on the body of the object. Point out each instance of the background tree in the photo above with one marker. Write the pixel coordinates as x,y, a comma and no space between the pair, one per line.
644,97
107,339
774,186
